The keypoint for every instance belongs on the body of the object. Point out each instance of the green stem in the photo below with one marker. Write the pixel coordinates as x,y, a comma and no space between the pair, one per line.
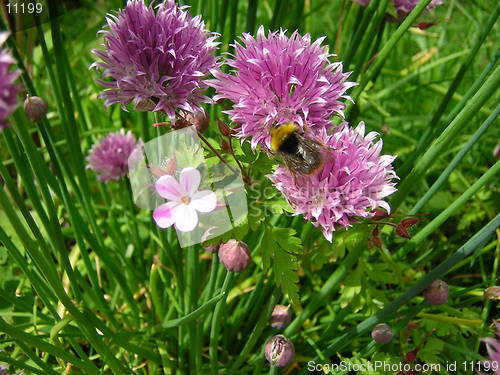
332,284
216,324
454,163
256,333
490,175
446,137
466,64
442,269
389,45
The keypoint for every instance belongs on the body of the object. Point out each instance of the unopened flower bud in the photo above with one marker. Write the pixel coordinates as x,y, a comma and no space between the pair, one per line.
280,316
35,108
436,293
382,333
279,351
493,292
199,120
234,255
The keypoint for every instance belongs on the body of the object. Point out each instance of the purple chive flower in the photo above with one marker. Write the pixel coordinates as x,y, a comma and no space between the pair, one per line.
156,59
493,347
352,182
403,7
278,79
109,157
184,200
8,90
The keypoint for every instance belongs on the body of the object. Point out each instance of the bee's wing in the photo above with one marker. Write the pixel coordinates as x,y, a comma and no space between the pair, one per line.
296,163
309,150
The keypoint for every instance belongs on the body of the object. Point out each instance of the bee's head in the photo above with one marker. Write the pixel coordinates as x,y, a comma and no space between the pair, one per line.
279,133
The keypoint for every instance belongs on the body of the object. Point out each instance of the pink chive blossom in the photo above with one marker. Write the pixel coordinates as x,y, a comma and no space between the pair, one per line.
156,59
353,181
279,79
109,157
8,90
493,347
184,200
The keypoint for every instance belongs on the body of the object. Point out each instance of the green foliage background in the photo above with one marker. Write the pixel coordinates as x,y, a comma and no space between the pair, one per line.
89,285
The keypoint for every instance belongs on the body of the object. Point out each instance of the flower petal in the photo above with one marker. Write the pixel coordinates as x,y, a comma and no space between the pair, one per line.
164,215
168,188
203,201
186,218
190,180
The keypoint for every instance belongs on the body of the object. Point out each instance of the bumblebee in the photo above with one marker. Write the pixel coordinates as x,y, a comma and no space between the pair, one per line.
300,154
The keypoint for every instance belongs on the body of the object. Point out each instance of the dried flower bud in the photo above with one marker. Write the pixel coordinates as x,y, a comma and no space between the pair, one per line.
234,255
225,146
412,355
223,128
409,222
493,292
375,240
199,120
35,108
280,316
145,105
179,123
212,248
379,214
436,293
382,333
279,351
401,231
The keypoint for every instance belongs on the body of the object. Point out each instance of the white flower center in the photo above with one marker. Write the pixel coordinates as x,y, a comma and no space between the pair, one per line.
186,200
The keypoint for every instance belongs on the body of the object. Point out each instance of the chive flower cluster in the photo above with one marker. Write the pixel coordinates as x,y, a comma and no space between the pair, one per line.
158,58
109,156
8,89
276,79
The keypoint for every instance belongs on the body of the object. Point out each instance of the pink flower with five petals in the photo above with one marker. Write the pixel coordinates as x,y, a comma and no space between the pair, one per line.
184,200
